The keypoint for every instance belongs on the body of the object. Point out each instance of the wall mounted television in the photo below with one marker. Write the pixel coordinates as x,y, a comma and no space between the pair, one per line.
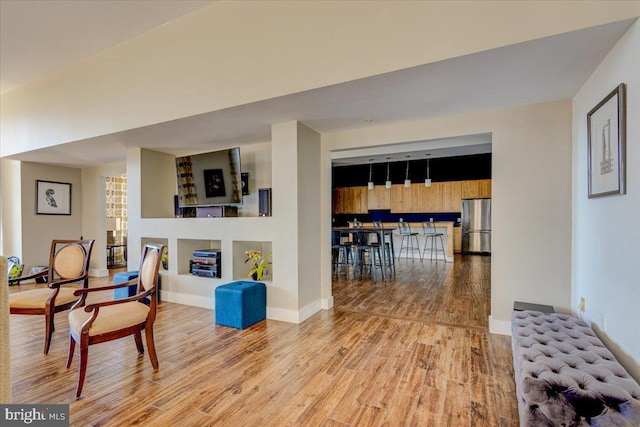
209,179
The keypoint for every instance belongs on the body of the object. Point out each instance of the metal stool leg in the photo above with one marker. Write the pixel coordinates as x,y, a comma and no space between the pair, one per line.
433,244
375,250
417,246
401,246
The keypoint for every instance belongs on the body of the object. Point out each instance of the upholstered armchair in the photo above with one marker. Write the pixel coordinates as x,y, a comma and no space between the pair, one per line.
68,264
110,320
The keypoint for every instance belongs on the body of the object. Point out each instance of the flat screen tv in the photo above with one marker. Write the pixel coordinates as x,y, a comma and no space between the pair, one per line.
209,179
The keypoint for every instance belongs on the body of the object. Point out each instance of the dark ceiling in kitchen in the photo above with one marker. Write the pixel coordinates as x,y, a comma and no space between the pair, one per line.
440,169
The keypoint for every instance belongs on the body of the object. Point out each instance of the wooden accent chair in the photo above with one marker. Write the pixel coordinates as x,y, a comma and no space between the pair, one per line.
110,320
68,263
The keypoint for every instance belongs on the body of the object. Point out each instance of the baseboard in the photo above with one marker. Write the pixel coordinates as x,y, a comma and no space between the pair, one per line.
95,272
280,314
187,299
500,327
327,303
309,310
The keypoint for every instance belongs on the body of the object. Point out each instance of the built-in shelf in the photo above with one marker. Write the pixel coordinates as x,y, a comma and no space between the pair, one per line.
241,268
185,253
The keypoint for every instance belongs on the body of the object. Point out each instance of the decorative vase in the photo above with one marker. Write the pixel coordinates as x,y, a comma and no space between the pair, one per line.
165,264
254,276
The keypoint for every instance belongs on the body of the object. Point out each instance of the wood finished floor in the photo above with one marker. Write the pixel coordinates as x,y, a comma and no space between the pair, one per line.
414,351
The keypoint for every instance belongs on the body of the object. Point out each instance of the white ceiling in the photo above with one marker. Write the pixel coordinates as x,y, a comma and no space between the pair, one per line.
40,36
543,70
464,145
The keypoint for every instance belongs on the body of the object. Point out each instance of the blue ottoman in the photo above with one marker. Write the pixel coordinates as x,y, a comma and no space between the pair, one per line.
241,304
127,292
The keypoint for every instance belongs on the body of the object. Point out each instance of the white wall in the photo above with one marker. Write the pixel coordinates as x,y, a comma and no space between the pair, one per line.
292,233
606,231
283,299
11,214
39,230
309,221
158,181
531,185
234,53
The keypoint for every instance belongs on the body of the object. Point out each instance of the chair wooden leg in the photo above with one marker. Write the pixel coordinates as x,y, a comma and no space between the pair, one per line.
49,328
72,349
138,338
82,369
152,347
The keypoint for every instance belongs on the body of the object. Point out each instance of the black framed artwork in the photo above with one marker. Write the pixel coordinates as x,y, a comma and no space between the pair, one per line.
214,183
53,198
606,155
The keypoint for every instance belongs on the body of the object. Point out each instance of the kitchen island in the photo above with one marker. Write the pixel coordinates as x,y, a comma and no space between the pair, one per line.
444,227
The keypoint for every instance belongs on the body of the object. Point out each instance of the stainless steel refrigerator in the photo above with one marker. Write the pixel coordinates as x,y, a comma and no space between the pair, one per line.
476,226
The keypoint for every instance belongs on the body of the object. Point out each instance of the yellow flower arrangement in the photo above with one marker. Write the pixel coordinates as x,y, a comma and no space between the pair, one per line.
258,264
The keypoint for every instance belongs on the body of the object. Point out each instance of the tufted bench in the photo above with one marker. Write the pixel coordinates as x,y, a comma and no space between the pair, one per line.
565,376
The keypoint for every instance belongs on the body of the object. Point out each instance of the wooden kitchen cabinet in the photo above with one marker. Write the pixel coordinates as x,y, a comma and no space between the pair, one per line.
379,198
470,189
360,198
400,199
451,196
477,189
417,198
350,200
457,239
430,197
484,188
440,197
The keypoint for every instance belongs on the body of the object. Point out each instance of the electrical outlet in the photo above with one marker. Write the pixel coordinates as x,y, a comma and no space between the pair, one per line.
430,219
603,321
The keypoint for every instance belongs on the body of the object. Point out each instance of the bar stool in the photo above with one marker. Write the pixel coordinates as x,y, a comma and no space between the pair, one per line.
341,252
431,234
367,253
407,234
389,259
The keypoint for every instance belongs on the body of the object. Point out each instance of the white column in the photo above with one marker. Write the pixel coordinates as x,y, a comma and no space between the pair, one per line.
296,293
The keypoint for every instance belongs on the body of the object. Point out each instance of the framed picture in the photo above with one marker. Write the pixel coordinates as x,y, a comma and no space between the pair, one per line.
53,198
214,183
606,156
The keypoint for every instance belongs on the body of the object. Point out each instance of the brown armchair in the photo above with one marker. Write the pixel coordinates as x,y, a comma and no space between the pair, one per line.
110,320
68,263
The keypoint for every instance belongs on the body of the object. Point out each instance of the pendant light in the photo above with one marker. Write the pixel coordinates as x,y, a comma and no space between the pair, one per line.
427,179
407,181
387,183
370,183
